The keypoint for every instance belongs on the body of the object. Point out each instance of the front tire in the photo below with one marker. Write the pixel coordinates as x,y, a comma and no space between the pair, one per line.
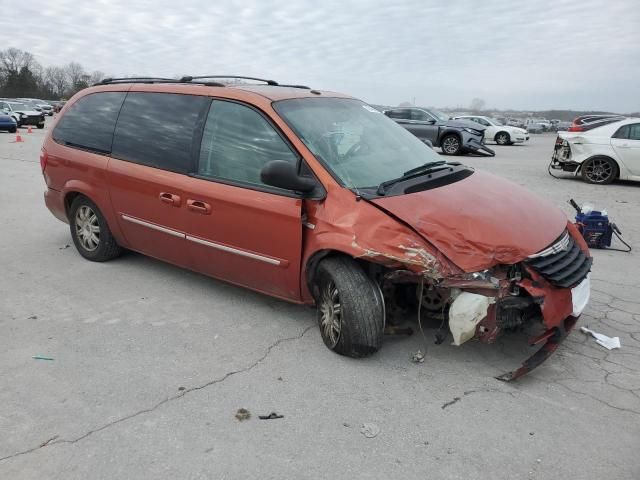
599,170
350,311
90,232
503,138
41,126
451,145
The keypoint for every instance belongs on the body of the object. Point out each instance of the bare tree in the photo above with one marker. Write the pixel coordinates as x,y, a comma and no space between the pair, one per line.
56,78
74,73
14,59
477,105
96,77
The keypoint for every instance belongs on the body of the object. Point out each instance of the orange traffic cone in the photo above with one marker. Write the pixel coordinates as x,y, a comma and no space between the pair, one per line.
29,130
18,137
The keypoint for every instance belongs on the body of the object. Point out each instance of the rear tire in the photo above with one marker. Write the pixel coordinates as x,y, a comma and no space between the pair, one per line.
599,170
90,232
451,145
13,129
503,138
350,309
41,126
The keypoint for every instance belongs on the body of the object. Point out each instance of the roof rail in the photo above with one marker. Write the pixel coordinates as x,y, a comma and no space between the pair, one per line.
239,77
106,81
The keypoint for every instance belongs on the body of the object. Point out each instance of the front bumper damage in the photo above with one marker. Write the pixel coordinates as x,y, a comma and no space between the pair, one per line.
475,146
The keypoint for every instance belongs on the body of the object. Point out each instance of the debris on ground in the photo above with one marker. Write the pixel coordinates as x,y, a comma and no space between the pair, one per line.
271,416
243,414
33,317
448,404
418,357
370,430
47,442
607,342
181,388
66,245
40,357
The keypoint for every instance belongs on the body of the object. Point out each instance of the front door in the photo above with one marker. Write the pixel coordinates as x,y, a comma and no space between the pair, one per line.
239,229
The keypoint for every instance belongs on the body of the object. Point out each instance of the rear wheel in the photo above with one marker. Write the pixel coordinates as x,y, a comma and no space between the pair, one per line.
13,129
503,138
599,170
90,232
451,145
41,125
350,310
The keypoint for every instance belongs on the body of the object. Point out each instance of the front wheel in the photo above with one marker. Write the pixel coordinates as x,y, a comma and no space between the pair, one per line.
41,126
451,145
350,310
90,232
599,170
502,138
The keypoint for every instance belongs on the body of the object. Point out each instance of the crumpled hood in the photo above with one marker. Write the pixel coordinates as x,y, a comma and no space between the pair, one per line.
480,221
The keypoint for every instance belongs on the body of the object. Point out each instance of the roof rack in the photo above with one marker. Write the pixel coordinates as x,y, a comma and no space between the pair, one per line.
190,79
239,77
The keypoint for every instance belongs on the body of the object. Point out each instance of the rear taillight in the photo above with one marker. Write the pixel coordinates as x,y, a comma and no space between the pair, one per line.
559,141
44,156
576,128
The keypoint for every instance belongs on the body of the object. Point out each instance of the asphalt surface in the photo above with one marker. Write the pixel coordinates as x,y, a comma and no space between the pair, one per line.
151,363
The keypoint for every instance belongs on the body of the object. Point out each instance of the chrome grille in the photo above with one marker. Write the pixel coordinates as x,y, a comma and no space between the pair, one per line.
563,264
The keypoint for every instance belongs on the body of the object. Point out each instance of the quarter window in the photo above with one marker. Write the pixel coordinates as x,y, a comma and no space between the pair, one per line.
634,131
89,122
158,129
237,142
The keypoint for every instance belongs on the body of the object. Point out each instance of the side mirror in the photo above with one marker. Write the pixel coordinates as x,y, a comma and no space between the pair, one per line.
431,121
282,174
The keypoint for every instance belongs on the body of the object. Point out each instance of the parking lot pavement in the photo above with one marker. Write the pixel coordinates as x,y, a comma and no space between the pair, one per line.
151,363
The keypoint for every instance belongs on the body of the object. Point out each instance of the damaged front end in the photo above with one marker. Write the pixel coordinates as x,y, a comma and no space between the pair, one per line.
547,291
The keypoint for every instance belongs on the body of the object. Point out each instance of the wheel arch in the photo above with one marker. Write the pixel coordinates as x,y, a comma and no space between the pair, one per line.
600,155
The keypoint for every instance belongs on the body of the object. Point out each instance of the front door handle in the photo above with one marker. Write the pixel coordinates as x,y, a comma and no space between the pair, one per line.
170,198
199,207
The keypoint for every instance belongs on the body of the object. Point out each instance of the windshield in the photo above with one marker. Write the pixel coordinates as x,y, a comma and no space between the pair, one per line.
356,142
495,121
19,106
441,116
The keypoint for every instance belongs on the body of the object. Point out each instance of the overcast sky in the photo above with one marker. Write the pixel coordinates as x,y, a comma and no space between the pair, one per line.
529,54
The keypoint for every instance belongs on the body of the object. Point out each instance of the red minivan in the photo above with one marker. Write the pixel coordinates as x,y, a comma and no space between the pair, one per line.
312,197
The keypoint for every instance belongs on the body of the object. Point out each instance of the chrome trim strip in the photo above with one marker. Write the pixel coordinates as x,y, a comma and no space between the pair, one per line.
153,226
242,253
559,246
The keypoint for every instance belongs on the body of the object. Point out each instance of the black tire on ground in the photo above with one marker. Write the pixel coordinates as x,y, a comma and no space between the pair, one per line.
599,170
503,138
13,129
41,125
81,220
344,289
451,144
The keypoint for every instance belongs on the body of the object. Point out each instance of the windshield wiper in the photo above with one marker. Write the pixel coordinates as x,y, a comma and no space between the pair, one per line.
429,167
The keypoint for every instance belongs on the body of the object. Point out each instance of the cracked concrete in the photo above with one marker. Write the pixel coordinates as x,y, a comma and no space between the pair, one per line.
151,363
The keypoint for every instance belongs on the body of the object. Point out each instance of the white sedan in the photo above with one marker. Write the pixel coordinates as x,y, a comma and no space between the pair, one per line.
497,132
601,154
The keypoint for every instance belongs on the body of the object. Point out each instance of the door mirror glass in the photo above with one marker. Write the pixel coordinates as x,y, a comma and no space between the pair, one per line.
283,174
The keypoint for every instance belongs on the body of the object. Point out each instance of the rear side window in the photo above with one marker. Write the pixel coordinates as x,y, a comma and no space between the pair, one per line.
158,129
634,131
238,142
90,121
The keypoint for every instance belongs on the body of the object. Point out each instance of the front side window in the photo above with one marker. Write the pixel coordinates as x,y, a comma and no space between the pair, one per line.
357,143
89,122
420,115
238,142
158,129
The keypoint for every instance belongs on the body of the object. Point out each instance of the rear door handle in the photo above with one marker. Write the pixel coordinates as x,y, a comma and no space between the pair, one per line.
170,198
199,207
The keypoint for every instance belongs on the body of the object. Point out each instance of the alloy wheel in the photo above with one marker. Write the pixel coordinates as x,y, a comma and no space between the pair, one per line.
87,228
599,170
450,145
330,314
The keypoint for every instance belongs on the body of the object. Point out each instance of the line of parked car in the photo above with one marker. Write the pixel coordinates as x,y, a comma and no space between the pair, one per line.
457,135
19,112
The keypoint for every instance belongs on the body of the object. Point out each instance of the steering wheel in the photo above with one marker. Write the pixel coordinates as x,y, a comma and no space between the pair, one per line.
356,149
